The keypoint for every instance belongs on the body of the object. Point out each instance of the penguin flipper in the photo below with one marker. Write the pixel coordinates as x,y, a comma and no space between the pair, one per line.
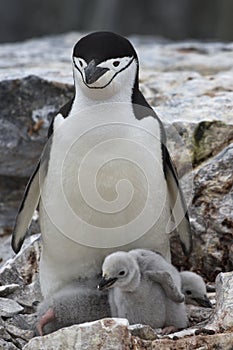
177,203
165,279
27,207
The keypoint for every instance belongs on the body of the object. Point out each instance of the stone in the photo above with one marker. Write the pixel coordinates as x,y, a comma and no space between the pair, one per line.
16,332
210,210
8,289
9,274
222,318
204,58
199,342
143,332
197,314
193,143
22,268
9,307
24,127
7,345
103,334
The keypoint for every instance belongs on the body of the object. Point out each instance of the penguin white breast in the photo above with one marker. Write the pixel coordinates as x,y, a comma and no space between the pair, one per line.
105,185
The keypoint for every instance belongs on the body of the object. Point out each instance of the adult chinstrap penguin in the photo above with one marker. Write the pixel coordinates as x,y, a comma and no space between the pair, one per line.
105,179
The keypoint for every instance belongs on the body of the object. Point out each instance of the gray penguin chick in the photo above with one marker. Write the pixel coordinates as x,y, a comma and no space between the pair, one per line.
160,271
194,289
73,304
137,289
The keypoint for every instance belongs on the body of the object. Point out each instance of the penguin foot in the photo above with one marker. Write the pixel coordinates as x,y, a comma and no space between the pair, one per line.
49,316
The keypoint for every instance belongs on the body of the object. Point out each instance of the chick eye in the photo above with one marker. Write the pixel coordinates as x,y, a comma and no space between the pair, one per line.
188,292
116,63
122,273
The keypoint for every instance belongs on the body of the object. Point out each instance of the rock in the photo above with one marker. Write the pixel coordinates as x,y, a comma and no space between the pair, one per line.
18,332
193,143
25,265
24,127
199,342
103,334
202,57
9,307
23,268
210,211
197,314
222,318
18,306
7,345
143,332
7,289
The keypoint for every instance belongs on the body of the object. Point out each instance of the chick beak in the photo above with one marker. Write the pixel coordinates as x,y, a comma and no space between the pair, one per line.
93,73
106,283
205,301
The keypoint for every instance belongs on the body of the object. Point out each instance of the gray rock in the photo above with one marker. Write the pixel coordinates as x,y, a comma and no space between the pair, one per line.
204,58
5,345
24,119
103,334
8,289
210,209
16,332
9,274
222,318
193,143
23,267
197,314
9,307
143,332
200,342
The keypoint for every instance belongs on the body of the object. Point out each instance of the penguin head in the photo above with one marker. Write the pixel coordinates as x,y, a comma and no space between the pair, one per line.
104,63
194,289
120,270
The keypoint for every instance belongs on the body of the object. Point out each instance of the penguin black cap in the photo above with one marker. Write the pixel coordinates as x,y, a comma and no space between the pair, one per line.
101,46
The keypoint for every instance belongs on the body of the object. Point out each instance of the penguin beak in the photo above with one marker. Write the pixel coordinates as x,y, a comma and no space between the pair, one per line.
93,73
205,301
106,283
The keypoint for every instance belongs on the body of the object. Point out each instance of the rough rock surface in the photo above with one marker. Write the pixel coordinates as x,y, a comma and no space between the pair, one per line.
20,293
222,318
211,208
102,334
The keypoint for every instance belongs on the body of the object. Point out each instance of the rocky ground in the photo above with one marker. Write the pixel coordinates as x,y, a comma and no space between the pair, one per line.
190,84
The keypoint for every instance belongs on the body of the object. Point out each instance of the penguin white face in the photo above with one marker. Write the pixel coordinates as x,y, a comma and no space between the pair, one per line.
194,289
104,61
119,270
99,76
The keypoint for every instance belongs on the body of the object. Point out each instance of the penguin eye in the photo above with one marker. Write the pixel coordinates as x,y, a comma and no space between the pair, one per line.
116,63
81,64
122,273
188,292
